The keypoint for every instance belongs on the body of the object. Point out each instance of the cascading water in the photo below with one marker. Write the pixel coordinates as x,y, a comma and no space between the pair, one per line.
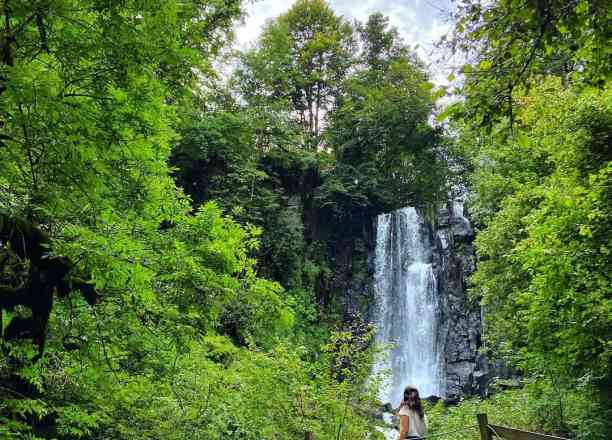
407,310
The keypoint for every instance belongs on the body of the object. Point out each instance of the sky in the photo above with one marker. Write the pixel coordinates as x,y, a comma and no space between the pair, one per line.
419,22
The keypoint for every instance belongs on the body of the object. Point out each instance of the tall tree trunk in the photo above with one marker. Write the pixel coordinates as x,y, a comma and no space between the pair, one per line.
318,106
309,101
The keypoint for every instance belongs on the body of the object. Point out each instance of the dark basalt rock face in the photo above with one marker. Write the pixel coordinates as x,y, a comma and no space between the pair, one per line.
460,324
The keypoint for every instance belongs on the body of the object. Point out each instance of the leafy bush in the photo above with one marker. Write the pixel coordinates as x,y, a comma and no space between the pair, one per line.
537,407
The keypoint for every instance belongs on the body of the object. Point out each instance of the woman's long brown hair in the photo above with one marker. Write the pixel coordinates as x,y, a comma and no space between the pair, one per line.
412,400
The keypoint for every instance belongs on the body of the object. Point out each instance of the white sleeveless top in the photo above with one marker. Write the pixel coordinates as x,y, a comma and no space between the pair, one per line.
416,424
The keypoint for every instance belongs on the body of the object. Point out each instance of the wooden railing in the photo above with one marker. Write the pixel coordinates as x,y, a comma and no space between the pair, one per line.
489,432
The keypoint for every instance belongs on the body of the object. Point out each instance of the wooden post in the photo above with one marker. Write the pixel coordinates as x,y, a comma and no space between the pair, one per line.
308,435
483,425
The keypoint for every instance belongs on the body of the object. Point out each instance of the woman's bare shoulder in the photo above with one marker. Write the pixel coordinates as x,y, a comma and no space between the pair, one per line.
403,411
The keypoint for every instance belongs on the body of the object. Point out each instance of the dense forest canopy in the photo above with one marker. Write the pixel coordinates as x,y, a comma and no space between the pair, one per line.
176,245
533,137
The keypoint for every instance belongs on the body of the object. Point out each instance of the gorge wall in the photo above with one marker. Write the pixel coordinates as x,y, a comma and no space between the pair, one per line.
460,328
339,253
449,236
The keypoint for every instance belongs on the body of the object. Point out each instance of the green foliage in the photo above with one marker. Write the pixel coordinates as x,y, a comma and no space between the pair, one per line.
218,158
86,124
537,407
388,155
215,392
511,42
534,147
188,339
299,64
381,45
509,408
548,234
543,194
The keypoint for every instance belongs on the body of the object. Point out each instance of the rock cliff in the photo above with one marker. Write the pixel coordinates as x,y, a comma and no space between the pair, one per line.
465,371
460,324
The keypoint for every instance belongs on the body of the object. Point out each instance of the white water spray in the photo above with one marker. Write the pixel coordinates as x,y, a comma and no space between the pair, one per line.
407,309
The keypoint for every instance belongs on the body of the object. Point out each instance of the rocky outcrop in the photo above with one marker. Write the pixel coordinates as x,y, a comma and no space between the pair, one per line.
460,324
460,321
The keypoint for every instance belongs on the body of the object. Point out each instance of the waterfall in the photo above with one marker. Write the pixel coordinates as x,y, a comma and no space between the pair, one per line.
406,306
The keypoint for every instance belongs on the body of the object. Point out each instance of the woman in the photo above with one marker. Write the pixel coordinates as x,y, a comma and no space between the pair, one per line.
412,419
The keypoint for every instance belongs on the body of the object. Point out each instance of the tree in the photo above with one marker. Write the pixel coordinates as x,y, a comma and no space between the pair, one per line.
388,155
381,44
543,198
510,42
533,144
300,62
186,340
90,92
